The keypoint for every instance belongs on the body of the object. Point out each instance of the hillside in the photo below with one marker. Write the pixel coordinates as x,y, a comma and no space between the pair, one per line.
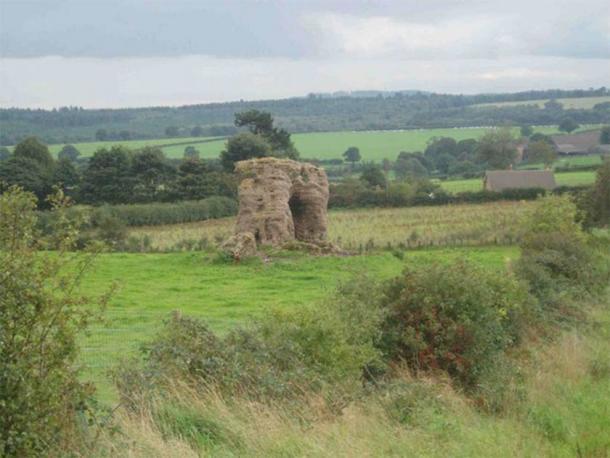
315,113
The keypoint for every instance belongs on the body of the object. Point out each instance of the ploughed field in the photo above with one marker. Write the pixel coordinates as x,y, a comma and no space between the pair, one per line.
373,145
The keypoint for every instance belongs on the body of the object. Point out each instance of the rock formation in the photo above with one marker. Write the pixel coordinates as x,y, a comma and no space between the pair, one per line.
280,200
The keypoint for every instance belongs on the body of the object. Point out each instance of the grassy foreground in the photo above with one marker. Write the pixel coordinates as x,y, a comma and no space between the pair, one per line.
150,286
560,408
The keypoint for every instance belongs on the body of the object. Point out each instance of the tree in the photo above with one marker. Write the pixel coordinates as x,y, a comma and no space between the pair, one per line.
596,202
568,125
27,174
101,135
439,146
261,123
352,154
409,167
604,136
4,153
553,105
373,176
43,403
197,131
65,175
444,162
497,149
196,180
541,152
108,177
32,148
151,174
526,131
244,146
68,152
190,152
124,135
172,131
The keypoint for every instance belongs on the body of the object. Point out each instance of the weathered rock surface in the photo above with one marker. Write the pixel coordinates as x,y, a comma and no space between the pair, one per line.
281,200
240,245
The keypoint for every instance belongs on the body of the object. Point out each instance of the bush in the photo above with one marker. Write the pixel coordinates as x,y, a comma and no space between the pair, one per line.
285,355
558,260
43,404
454,317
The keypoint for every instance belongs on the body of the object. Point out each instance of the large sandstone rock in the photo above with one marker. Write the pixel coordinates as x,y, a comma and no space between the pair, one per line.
282,200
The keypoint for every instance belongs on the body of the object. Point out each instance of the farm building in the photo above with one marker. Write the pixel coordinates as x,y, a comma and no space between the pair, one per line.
580,143
499,180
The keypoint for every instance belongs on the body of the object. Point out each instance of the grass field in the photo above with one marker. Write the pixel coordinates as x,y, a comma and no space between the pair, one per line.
374,145
150,286
577,102
562,179
366,229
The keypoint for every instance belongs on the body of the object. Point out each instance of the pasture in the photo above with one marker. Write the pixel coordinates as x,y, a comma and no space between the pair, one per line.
583,103
373,145
150,286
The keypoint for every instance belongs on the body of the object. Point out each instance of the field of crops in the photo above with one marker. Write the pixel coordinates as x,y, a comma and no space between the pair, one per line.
150,286
374,145
372,228
577,102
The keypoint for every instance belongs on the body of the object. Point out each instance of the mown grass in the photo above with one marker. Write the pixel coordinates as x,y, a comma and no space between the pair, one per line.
374,145
150,286
584,103
373,228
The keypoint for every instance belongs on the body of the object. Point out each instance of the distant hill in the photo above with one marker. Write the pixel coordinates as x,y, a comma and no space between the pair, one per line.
354,111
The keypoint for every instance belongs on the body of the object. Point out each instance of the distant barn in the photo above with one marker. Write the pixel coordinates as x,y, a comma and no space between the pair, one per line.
499,180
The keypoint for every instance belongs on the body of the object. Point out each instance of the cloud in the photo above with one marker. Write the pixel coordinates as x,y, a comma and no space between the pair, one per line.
118,82
480,35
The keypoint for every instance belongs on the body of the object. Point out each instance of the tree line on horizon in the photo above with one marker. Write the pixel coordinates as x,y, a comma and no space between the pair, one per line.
306,114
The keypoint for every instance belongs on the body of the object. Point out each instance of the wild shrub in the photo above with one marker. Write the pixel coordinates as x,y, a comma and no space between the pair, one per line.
558,259
43,404
285,355
456,317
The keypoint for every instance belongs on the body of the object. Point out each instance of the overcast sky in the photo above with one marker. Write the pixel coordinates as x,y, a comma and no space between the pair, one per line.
111,53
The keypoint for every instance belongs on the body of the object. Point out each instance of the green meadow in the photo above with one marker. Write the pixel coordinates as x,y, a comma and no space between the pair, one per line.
151,286
373,145
584,103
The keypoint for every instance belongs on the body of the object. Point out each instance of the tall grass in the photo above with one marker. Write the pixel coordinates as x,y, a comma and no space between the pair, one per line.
563,412
368,229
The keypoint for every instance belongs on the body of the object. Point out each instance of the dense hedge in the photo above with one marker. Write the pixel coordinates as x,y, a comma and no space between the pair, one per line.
396,197
173,213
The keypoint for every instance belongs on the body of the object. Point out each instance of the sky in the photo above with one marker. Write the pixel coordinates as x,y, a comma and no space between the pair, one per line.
111,53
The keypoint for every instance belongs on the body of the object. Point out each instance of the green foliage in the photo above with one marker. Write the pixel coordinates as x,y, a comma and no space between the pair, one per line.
42,401
568,125
373,176
595,202
282,356
34,149
68,152
557,259
526,131
244,146
26,173
456,317
541,151
352,154
497,148
261,123
108,177
4,153
604,136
